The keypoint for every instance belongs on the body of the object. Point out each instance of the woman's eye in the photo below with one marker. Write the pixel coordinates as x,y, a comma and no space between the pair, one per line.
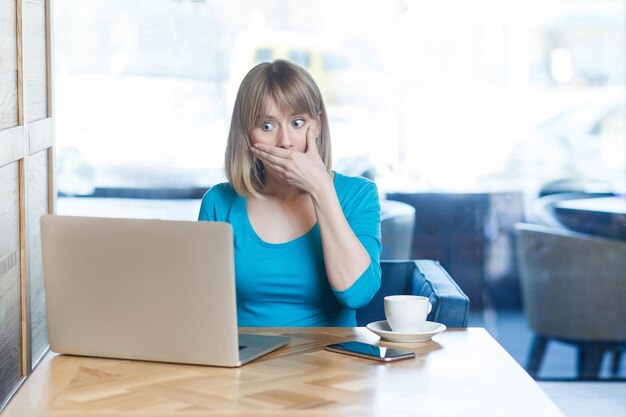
298,123
267,126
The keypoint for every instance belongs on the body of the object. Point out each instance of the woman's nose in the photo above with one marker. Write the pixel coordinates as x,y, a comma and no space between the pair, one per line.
284,140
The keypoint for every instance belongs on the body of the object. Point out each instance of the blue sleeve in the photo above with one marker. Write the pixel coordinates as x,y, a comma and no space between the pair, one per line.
216,203
363,215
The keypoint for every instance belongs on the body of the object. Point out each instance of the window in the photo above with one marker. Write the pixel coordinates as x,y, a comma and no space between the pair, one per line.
300,57
431,95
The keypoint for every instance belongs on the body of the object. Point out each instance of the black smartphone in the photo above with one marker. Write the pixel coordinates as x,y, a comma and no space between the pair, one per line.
365,350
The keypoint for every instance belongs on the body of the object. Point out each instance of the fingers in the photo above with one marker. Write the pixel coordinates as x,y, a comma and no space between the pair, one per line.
279,166
280,171
271,150
311,140
274,156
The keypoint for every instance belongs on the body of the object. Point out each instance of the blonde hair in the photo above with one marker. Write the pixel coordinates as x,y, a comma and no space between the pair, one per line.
294,91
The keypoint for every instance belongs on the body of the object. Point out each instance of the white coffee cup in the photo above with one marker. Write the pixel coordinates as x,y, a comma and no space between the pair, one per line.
406,313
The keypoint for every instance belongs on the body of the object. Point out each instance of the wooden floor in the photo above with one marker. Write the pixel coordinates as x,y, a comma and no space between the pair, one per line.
583,399
575,399
510,329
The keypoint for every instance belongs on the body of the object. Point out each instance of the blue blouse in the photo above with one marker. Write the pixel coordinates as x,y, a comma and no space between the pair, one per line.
285,284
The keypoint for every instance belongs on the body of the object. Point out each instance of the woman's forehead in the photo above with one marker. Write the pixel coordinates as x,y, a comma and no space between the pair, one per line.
273,107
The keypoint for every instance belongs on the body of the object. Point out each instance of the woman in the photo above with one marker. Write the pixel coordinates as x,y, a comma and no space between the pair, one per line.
307,239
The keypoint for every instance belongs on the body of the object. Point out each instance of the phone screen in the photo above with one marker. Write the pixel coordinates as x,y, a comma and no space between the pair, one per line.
365,350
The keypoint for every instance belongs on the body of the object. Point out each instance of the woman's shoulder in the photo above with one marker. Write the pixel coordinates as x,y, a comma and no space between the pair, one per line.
221,191
346,184
355,193
217,202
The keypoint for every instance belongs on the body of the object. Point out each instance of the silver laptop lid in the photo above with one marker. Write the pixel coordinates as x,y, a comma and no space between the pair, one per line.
141,289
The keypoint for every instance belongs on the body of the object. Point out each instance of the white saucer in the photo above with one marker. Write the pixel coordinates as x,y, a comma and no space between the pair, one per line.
382,329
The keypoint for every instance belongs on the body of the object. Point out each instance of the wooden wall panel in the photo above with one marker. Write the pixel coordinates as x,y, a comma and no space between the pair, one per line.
35,59
13,145
8,64
10,356
40,135
36,206
26,184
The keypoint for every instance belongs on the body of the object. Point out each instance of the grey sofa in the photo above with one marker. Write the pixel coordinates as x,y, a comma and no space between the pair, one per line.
397,223
574,291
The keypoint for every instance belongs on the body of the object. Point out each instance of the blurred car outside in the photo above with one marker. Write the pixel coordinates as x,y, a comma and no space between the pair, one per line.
583,145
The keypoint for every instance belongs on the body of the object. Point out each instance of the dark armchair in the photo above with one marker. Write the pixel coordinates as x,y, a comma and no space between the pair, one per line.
419,277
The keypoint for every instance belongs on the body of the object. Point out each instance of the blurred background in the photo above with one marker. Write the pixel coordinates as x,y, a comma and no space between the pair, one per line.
468,112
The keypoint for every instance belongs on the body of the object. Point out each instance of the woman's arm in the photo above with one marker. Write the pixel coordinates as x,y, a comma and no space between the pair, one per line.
345,257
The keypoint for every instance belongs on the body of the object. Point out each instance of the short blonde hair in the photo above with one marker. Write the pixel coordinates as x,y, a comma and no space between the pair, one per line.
295,92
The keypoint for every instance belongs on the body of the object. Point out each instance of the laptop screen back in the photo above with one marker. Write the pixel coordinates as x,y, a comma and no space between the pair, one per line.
141,289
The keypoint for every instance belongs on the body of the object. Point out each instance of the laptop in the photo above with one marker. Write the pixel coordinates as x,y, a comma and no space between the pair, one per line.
154,290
